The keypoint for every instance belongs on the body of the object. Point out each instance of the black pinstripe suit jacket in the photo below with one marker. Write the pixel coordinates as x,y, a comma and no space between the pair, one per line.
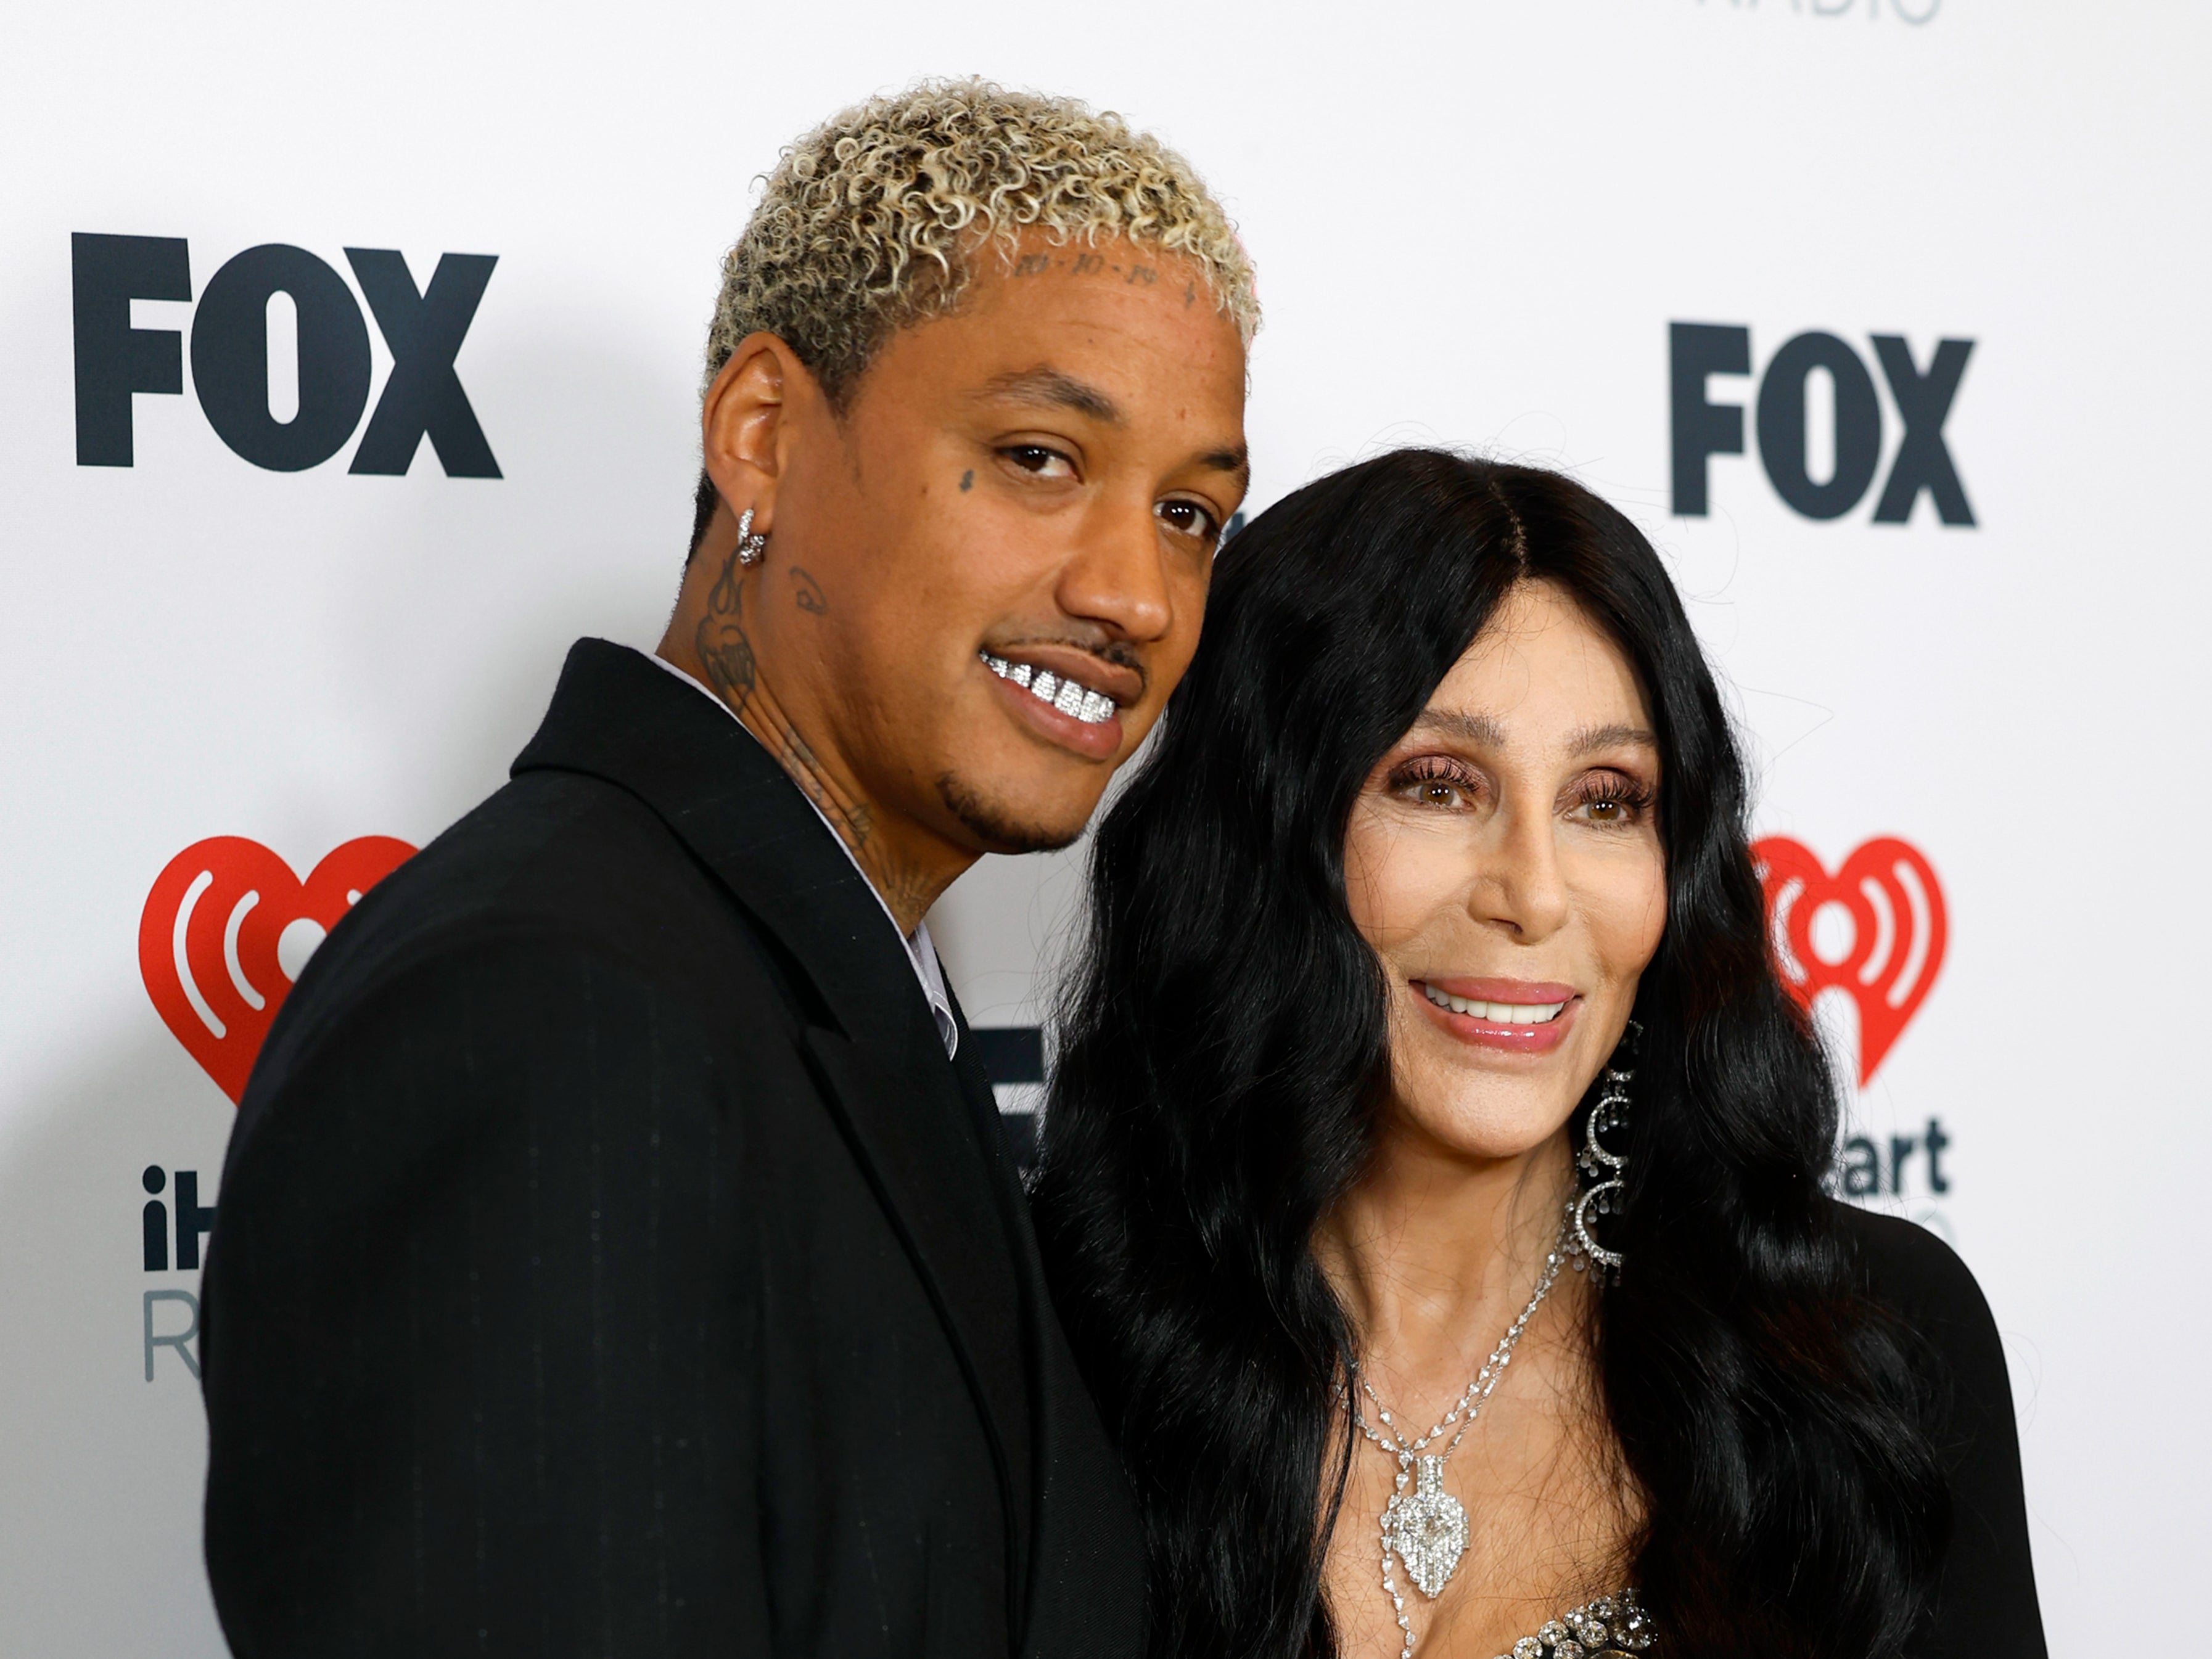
610,1261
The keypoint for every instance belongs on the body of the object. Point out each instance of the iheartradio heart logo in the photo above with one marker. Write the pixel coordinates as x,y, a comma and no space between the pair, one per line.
1876,929
227,930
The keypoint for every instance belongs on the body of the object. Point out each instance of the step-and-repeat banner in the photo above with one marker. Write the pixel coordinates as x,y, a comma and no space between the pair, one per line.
349,373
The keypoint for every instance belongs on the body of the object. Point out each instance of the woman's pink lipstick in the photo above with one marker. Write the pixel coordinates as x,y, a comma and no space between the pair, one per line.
1481,1017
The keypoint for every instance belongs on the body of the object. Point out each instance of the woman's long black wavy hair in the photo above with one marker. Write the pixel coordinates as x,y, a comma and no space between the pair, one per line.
1222,1046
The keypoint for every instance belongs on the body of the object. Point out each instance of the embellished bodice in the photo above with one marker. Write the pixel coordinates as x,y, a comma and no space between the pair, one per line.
1611,1627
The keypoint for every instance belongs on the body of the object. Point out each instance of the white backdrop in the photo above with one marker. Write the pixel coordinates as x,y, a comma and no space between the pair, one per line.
1474,224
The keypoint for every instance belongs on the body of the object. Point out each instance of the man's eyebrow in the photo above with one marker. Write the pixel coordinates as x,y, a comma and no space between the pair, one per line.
1234,462
1052,388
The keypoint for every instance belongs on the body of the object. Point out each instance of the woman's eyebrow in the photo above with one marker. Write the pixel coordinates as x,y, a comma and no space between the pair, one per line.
1467,728
1605,737
1486,730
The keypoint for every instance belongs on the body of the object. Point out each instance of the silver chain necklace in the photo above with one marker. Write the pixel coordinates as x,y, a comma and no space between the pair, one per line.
1427,1528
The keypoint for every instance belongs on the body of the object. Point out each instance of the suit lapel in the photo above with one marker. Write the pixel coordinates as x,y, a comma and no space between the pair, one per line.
983,1107
1085,1571
927,1181
904,1112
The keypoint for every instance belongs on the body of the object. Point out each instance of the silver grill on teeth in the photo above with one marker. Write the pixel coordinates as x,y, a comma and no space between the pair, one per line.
1077,702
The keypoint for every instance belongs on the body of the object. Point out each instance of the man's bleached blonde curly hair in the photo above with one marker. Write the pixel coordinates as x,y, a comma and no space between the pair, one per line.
871,221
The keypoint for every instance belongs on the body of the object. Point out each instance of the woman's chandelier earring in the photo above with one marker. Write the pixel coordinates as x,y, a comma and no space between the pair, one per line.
749,547
1603,1195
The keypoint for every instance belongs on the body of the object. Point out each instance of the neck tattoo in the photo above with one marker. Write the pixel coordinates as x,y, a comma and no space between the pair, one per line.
726,653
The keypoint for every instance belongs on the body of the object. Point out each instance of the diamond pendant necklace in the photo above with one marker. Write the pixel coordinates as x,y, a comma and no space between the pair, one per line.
1427,1528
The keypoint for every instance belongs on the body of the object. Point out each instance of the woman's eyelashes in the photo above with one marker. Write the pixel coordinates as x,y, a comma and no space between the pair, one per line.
1606,798
1438,781
1610,799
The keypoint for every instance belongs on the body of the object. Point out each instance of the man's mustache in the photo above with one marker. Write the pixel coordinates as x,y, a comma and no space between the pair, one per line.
1119,652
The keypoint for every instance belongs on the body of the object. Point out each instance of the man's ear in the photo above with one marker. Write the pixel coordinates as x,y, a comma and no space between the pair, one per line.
746,430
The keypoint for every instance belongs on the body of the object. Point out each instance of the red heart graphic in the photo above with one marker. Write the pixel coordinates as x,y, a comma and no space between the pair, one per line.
1898,931
227,930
